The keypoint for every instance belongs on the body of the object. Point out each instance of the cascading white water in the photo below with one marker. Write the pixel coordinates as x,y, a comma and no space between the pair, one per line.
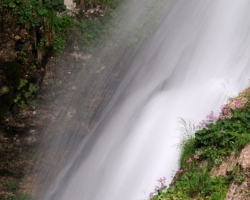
200,48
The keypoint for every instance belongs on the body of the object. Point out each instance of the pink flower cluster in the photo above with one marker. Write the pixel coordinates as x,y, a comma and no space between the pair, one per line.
238,104
151,194
196,157
160,181
210,118
202,124
226,113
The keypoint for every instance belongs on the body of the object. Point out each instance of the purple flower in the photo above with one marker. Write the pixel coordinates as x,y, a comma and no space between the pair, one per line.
229,116
221,116
196,157
211,117
222,107
151,194
238,104
202,124
157,188
162,180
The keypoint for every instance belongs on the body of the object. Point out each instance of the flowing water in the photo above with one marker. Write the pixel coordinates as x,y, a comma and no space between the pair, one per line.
197,58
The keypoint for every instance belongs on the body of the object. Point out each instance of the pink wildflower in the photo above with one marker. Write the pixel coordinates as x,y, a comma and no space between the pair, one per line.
221,116
225,113
196,157
228,116
238,104
157,188
222,107
151,194
202,124
180,171
189,160
211,117
162,180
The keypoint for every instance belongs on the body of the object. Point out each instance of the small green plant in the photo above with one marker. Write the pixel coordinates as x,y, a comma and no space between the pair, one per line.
58,44
25,93
12,196
236,174
18,97
12,185
50,81
187,142
4,90
22,83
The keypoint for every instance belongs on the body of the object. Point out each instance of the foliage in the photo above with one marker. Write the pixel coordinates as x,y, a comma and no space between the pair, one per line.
192,182
57,5
237,175
25,93
90,30
94,29
187,142
103,3
12,196
40,16
12,185
226,134
215,138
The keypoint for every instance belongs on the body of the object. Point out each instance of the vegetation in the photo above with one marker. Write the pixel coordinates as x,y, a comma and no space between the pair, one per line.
13,196
204,147
39,29
105,4
40,17
49,27
32,30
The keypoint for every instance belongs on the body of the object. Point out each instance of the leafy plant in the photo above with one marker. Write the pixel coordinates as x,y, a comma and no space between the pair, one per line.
12,196
40,16
227,133
12,185
4,90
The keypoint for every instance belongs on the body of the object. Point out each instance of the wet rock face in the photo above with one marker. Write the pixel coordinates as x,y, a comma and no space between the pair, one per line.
244,159
239,167
70,4
18,65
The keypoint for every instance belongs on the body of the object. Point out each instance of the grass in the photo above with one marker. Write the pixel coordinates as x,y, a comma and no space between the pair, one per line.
187,144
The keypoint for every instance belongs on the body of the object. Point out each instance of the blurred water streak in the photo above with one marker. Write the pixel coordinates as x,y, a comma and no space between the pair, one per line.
196,58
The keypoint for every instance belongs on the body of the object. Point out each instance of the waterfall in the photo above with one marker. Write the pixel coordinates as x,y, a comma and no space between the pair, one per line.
197,58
